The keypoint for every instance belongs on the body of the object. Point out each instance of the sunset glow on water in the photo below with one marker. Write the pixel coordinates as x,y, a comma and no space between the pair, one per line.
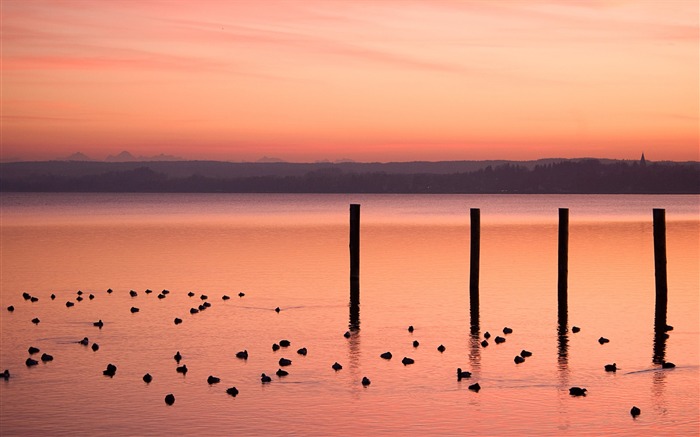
291,252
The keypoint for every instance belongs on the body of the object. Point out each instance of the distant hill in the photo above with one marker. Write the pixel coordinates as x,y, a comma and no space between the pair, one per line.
125,156
78,156
540,176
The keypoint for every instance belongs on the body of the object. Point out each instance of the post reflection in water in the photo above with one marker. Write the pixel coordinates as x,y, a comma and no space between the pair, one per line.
660,332
563,337
354,324
474,344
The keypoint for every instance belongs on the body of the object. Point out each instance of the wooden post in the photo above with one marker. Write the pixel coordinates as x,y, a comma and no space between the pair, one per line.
354,257
475,216
354,242
563,280
660,266
661,307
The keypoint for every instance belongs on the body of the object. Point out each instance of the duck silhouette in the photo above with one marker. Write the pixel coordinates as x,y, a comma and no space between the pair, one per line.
264,378
462,374
525,354
441,348
475,387
31,362
406,361
611,367
242,354
281,373
518,359
499,339
182,369
98,323
95,347
336,366
635,411
46,357
577,391
32,350
285,343
213,380
147,378
285,362
366,381
386,355
603,340
302,351
110,371
233,391
170,399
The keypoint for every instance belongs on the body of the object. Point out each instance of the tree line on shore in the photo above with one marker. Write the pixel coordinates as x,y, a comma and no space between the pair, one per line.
588,176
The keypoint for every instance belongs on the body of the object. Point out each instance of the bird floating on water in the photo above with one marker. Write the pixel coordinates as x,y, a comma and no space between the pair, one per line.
406,361
499,339
635,411
285,362
441,348
487,335
336,366
264,378
475,387
507,330
277,310
31,362
603,340
386,355
525,354
302,351
147,378
281,373
241,294
178,320
484,343
275,346
415,343
575,329
182,369
366,381
95,347
69,304
410,328
611,367
347,334
518,359
5,375
285,343
242,354
233,391
667,365
10,308
169,399
84,341
46,357
98,323
577,391
110,371
134,310
213,380
36,320
32,350
177,356
462,374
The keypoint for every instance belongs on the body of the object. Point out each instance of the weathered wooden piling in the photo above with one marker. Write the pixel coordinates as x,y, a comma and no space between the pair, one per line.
660,265
563,280
475,216
354,265
661,307
354,242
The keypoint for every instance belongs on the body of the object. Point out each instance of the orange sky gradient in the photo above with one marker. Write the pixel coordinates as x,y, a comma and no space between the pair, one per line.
377,80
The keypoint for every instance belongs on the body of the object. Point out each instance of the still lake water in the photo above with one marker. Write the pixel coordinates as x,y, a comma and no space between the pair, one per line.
291,251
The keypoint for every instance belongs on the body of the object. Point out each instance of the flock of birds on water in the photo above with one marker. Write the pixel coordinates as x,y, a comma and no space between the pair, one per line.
111,369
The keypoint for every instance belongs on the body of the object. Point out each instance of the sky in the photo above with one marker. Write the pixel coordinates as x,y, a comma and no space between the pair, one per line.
389,80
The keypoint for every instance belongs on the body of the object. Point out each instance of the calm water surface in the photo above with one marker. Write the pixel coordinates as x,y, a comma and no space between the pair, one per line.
291,251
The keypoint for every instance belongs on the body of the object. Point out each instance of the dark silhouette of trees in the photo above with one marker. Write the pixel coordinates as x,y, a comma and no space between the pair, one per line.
588,176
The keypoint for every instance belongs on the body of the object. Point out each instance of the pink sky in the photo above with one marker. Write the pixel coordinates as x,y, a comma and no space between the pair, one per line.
367,80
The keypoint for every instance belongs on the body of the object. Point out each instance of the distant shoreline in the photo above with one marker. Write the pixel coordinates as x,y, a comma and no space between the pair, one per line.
547,176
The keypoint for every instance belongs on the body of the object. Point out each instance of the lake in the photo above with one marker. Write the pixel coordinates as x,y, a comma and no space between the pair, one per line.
291,251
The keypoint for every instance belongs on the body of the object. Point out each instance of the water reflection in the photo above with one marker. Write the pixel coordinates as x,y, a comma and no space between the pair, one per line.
660,331
474,330
563,336
354,324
